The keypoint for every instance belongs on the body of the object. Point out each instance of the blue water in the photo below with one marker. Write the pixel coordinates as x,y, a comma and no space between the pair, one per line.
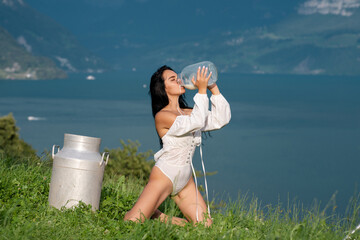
290,137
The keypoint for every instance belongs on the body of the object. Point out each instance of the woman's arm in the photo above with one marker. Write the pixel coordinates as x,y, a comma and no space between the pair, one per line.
214,89
181,125
220,113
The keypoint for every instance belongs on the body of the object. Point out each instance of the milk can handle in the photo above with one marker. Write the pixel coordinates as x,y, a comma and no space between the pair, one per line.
102,158
53,149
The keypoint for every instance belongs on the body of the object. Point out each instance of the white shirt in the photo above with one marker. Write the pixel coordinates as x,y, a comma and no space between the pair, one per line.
184,135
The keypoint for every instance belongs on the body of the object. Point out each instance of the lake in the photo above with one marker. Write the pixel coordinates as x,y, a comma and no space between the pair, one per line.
290,137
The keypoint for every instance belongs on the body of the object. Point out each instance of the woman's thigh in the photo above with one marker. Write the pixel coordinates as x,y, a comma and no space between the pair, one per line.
186,200
155,192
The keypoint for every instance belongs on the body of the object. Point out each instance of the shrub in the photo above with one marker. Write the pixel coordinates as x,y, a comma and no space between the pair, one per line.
10,143
127,161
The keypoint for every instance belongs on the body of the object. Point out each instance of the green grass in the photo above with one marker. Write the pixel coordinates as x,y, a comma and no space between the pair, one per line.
25,214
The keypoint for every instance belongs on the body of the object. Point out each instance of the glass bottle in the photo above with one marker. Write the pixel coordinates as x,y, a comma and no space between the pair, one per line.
191,71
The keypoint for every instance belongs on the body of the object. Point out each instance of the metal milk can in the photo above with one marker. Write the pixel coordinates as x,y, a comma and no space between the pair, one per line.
77,173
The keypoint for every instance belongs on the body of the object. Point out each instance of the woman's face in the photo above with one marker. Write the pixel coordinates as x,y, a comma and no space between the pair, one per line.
172,85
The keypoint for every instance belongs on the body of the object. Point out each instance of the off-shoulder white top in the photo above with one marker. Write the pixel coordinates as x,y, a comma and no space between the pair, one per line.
185,133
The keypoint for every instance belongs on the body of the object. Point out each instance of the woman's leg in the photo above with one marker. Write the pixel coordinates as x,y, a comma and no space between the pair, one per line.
186,200
154,193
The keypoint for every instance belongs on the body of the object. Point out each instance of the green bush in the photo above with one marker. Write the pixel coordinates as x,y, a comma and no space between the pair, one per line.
10,143
127,161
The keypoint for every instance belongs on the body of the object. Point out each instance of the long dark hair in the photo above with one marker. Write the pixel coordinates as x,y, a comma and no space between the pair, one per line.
159,98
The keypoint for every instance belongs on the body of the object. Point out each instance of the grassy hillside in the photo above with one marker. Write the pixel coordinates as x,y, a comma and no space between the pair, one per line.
25,214
17,63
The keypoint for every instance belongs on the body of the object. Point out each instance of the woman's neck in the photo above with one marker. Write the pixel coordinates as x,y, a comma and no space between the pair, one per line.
173,102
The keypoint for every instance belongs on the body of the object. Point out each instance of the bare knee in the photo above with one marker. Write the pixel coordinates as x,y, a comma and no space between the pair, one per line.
208,222
134,217
128,217
199,215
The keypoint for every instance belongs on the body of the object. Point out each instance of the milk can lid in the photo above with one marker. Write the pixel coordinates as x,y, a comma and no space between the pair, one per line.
91,142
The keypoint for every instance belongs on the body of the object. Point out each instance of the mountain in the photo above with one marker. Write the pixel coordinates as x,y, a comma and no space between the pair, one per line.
320,40
130,33
17,63
40,35
250,36
303,44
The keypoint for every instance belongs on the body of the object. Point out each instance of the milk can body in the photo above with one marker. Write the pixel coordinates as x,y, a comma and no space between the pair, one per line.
77,174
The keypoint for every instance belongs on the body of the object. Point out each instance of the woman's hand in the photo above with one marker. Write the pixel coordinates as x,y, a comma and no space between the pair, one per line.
202,79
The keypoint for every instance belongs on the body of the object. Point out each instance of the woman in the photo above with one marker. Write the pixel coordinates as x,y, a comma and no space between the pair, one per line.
179,128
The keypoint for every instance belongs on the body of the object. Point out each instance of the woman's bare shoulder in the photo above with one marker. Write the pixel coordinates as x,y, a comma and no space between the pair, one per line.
165,118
